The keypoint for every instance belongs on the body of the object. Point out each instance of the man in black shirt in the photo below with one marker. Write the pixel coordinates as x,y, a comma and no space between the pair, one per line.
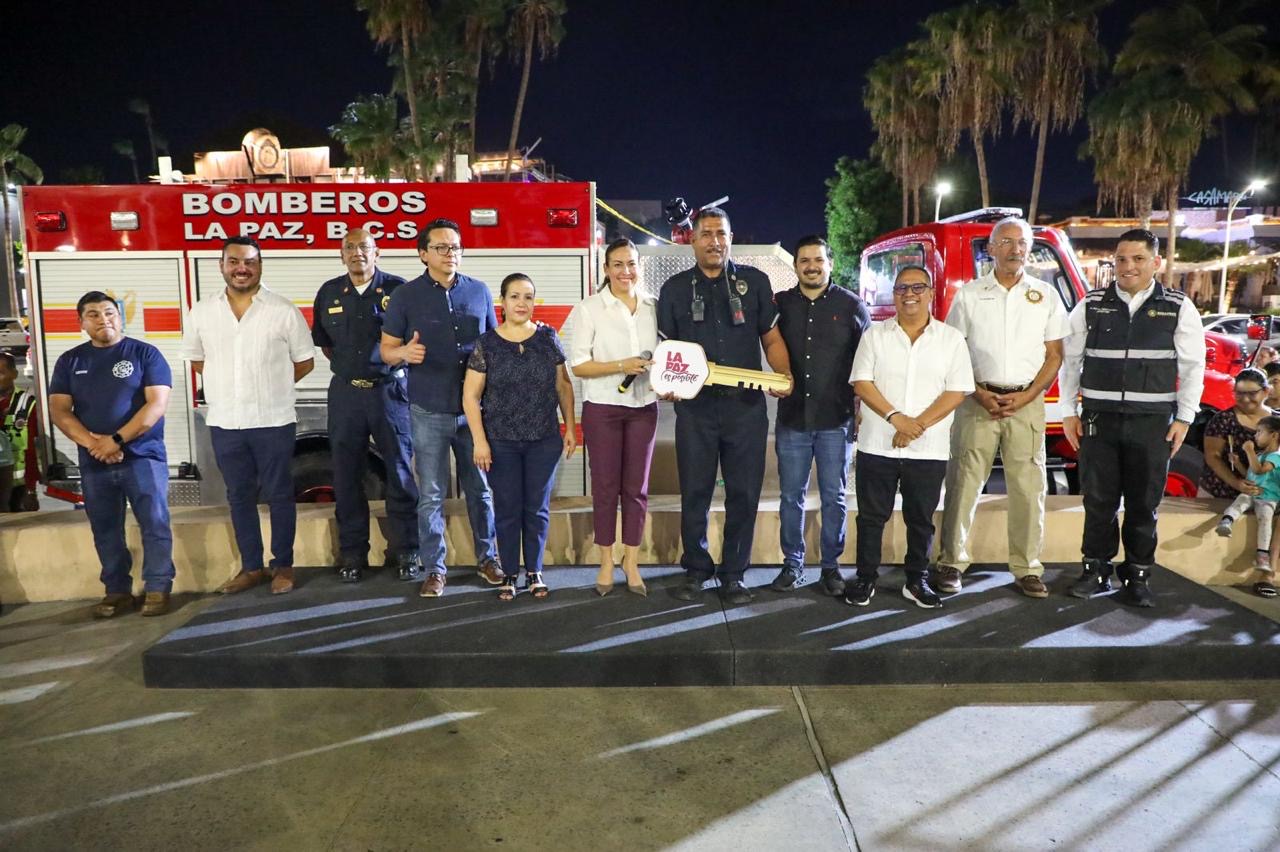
366,399
821,325
729,311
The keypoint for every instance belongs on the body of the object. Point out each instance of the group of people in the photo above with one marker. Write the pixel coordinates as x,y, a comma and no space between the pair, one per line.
426,371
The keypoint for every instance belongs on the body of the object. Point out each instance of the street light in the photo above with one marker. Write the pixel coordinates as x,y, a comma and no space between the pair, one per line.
1254,186
941,188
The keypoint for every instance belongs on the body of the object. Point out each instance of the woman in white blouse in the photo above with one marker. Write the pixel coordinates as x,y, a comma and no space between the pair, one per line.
614,334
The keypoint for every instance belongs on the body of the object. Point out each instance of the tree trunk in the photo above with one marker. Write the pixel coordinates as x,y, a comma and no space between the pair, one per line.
915,205
411,95
11,274
524,87
475,95
151,141
1171,241
449,134
133,161
903,177
982,167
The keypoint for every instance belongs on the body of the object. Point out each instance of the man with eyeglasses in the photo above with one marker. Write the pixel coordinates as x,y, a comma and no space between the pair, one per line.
1135,355
911,372
432,324
367,400
1013,324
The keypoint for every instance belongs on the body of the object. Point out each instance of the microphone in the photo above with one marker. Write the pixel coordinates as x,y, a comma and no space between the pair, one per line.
626,383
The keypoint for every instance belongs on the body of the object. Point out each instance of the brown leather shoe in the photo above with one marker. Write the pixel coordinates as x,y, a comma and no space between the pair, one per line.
491,571
243,580
282,581
946,579
155,603
113,605
1032,586
433,587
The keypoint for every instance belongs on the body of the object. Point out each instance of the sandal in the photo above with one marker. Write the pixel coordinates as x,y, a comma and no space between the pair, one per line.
536,587
507,591
1264,589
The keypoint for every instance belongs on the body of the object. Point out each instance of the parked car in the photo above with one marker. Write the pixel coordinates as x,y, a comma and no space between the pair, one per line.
13,335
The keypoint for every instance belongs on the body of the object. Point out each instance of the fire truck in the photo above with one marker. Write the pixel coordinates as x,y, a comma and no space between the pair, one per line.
155,250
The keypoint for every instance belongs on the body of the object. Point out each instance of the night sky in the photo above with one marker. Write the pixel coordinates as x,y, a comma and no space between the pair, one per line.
700,99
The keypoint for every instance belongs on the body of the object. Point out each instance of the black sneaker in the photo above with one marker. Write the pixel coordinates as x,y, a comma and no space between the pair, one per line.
351,569
832,583
1136,591
409,567
736,592
1095,580
921,593
690,589
787,580
860,592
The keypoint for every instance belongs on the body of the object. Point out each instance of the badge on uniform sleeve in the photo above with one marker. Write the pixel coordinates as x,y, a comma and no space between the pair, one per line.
1035,296
741,285
386,300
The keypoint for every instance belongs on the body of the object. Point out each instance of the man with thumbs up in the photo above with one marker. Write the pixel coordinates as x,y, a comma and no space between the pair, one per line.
431,325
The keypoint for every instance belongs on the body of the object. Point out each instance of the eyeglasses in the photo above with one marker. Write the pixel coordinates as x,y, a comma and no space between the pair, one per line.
362,248
1004,242
1242,392
445,249
917,289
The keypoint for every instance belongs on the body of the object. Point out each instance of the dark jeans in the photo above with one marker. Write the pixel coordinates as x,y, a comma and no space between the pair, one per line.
1127,457
729,432
521,478
619,443
797,450
255,465
144,483
355,416
876,479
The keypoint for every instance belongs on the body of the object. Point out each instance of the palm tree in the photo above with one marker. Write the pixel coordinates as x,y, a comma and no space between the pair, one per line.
369,132
532,22
400,22
142,108
906,124
1060,51
971,76
125,149
17,167
483,21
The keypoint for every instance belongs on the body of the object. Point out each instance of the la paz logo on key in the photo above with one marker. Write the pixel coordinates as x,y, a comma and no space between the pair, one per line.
676,364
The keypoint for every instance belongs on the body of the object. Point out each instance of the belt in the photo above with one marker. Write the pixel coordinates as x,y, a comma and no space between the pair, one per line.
365,384
1003,388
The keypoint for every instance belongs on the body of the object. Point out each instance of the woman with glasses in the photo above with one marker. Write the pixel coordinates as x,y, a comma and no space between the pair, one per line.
1224,438
614,334
515,380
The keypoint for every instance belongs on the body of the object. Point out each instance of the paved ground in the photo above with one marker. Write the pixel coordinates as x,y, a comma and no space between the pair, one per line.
92,760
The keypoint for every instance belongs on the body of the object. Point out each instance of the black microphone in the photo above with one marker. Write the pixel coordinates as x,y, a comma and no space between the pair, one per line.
626,383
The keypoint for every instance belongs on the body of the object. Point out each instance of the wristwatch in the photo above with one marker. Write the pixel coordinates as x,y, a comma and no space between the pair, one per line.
119,440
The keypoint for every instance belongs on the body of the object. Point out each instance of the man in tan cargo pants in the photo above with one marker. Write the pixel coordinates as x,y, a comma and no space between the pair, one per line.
1014,325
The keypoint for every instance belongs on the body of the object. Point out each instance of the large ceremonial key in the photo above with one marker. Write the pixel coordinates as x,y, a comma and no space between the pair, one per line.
681,368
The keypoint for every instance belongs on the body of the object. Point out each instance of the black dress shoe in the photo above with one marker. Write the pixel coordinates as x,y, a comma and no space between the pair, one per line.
409,567
690,589
351,569
736,592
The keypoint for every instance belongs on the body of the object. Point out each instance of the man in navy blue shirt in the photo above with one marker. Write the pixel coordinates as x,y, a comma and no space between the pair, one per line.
432,324
108,396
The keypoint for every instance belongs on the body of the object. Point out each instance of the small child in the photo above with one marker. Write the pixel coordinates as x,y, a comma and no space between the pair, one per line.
1264,471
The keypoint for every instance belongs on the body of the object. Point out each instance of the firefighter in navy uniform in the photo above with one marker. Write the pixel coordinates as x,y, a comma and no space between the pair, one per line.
1135,353
729,311
366,400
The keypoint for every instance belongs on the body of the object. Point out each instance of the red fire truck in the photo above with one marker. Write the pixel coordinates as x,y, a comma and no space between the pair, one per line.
155,249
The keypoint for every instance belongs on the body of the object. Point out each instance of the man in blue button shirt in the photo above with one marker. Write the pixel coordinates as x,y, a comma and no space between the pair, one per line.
432,324
108,396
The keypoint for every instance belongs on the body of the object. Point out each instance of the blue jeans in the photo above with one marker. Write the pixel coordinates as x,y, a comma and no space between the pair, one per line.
522,475
797,450
256,464
145,484
434,434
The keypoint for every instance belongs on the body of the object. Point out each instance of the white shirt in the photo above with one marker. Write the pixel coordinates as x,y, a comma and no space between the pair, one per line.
1006,329
604,330
248,363
911,376
1188,341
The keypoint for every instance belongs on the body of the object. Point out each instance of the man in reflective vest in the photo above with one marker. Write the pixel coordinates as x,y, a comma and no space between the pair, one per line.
18,470
1135,355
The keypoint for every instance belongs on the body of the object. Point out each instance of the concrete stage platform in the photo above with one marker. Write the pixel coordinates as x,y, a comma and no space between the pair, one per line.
50,556
381,634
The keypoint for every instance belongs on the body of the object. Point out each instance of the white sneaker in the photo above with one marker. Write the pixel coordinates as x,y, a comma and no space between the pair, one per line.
1224,527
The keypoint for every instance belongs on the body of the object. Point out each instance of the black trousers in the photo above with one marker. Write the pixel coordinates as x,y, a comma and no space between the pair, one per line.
876,479
1126,456
355,416
729,433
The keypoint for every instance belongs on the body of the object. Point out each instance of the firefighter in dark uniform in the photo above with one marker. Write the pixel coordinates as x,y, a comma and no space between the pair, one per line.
1135,353
729,311
366,400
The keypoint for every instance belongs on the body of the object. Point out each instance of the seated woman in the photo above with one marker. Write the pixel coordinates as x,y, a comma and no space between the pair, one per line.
1226,465
515,379
613,332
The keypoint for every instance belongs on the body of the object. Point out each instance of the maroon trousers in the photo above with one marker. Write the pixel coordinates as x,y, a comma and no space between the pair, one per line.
619,449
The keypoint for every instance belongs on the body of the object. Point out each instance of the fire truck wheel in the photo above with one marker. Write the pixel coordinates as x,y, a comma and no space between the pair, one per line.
313,478
1184,473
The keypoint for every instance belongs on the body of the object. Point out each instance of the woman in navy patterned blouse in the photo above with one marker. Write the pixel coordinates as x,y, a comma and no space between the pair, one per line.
515,380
